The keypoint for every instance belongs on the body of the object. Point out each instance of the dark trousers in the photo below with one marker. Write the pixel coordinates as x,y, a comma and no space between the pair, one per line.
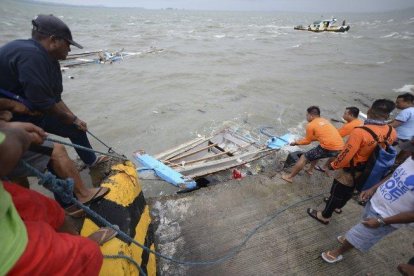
53,125
340,195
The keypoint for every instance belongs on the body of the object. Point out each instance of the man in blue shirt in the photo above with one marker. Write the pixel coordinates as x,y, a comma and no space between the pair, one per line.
30,73
404,122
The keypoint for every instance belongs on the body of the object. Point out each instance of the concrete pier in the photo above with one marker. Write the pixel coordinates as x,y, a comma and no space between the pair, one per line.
206,224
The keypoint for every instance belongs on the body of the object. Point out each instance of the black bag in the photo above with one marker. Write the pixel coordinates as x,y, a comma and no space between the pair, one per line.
292,158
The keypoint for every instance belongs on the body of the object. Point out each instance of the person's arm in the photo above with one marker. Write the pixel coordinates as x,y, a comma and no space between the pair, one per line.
351,148
367,194
395,123
65,115
15,142
405,217
308,138
14,107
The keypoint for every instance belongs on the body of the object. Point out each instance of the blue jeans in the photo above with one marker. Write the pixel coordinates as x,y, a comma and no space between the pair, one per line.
53,125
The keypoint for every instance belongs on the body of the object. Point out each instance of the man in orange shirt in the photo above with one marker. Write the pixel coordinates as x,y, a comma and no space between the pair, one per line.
358,148
321,130
351,117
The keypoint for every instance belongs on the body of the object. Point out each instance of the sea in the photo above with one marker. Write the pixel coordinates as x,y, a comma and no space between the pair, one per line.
218,68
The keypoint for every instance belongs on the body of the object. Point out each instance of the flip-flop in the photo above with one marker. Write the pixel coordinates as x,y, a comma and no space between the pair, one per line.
96,197
340,239
337,210
314,214
103,235
327,257
319,168
99,160
74,211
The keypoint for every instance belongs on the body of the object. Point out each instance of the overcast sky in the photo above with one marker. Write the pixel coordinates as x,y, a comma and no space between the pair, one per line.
254,5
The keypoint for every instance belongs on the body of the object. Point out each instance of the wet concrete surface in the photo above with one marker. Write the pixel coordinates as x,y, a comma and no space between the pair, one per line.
206,224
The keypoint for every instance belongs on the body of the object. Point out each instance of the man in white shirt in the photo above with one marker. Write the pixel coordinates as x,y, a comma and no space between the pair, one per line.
404,122
391,207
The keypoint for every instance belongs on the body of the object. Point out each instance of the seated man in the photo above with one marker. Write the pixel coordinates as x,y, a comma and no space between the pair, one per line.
48,155
37,238
391,208
321,130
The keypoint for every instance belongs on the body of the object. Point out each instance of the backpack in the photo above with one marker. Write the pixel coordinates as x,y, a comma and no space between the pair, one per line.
379,163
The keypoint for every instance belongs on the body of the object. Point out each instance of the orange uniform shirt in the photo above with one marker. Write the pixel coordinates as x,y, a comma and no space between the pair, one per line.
361,144
322,130
346,129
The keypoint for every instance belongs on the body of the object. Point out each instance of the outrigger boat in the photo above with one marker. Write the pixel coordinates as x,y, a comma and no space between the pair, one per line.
227,149
327,25
101,57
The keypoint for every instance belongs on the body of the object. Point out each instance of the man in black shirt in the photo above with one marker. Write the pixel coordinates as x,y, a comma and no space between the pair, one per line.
30,73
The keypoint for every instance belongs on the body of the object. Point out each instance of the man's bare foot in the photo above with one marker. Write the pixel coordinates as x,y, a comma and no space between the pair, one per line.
91,195
286,178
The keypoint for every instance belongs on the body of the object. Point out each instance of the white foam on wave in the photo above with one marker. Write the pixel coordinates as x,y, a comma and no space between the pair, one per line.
407,88
390,20
220,36
394,34
295,46
7,23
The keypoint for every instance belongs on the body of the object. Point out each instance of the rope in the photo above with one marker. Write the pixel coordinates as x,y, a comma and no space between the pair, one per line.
116,155
141,271
110,150
263,131
231,253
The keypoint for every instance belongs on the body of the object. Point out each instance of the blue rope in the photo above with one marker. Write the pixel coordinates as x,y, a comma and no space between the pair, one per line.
232,252
141,271
87,149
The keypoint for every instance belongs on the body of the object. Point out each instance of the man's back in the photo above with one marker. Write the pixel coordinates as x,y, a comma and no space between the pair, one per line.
320,129
361,144
28,71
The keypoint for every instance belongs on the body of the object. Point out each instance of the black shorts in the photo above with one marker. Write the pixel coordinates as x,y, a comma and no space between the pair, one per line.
319,153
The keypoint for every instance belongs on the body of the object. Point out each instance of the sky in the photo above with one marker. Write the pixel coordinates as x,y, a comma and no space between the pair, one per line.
254,5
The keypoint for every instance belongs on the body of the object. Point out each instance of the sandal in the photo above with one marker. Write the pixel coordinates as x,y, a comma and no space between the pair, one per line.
319,168
340,239
103,235
97,196
327,257
99,160
74,211
314,214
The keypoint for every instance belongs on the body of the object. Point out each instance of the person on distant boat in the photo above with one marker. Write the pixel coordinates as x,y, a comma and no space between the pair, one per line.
36,236
358,148
321,130
351,117
30,73
390,208
404,122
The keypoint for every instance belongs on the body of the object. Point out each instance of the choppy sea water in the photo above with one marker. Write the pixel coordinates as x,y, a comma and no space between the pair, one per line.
249,68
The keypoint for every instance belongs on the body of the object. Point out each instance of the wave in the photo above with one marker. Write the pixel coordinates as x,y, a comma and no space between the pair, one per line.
407,88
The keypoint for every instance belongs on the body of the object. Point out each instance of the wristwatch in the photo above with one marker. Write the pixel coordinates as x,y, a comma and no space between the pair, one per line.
381,221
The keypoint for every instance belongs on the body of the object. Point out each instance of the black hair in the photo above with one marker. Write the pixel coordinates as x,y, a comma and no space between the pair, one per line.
354,111
382,108
407,97
314,110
